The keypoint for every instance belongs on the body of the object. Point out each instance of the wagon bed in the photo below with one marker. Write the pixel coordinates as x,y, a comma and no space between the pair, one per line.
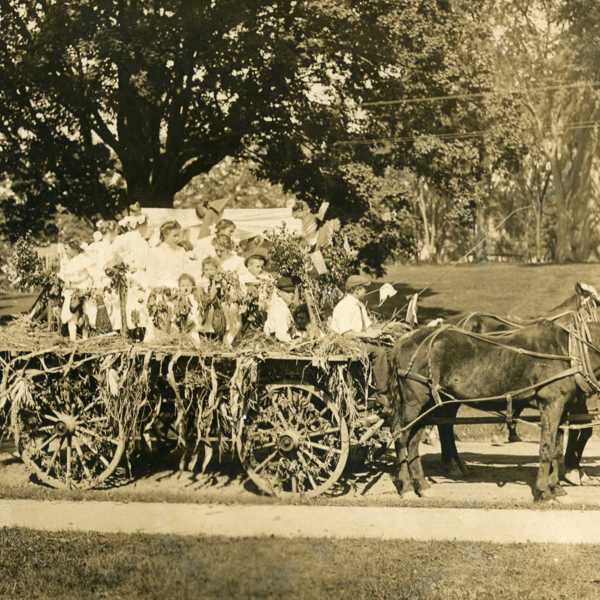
76,410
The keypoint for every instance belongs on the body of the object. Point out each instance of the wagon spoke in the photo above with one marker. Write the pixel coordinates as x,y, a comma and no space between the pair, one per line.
264,446
46,443
46,428
101,458
53,458
314,458
307,470
265,462
323,447
323,432
97,435
69,457
86,408
97,420
82,458
282,418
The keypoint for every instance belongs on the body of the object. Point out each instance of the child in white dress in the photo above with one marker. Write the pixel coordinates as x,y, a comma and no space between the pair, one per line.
79,307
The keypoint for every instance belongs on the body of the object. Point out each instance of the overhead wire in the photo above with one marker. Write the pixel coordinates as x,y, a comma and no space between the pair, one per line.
451,136
464,96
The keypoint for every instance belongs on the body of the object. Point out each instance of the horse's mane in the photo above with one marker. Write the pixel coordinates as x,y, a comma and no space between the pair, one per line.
569,304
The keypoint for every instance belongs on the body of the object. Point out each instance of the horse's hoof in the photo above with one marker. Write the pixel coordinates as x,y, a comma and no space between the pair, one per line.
573,477
464,469
409,495
545,497
457,470
559,491
514,439
424,492
422,484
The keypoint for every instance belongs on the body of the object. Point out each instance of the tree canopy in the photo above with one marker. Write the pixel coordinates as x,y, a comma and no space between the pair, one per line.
160,91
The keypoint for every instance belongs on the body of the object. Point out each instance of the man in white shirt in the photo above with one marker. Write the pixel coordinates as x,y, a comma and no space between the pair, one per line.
350,318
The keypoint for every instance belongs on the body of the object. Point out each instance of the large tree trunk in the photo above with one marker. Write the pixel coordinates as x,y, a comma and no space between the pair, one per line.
539,219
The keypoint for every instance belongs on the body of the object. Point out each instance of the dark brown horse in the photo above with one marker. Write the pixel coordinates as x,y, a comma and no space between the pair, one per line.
479,322
438,371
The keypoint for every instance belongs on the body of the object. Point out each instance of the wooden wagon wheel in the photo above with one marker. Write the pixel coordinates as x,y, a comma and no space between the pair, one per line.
68,442
294,441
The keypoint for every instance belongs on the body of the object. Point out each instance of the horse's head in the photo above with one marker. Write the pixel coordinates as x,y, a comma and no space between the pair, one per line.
588,301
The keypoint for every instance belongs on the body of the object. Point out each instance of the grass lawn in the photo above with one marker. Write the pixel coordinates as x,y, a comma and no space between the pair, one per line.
81,566
520,290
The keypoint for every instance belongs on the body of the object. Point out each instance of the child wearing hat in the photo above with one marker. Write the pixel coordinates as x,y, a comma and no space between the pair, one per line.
280,321
255,261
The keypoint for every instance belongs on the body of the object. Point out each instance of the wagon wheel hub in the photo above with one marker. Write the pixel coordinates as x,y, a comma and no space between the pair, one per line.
66,425
288,440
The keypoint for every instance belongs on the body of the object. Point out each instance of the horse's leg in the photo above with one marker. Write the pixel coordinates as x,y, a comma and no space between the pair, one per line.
446,433
577,440
554,480
550,415
451,460
402,477
513,434
400,416
415,466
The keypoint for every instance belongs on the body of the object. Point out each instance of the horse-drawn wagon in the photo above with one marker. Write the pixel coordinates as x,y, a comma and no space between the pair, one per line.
78,410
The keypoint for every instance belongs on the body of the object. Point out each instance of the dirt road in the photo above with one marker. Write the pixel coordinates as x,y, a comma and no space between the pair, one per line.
500,476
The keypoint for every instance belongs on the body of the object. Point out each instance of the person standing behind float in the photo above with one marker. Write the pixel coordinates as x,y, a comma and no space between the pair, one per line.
206,246
228,258
350,318
169,260
209,213
132,248
100,254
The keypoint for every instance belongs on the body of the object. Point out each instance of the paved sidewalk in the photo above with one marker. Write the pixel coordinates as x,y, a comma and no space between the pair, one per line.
501,526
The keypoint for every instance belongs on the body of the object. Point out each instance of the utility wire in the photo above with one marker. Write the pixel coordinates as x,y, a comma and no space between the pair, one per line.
423,99
451,136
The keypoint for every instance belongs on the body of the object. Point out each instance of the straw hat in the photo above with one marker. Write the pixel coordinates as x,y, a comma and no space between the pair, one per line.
355,281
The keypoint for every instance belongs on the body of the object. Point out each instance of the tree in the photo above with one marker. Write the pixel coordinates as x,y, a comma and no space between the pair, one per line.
171,87
435,118
162,90
539,57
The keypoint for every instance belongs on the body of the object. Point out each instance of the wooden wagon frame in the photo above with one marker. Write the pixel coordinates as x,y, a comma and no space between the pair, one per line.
75,415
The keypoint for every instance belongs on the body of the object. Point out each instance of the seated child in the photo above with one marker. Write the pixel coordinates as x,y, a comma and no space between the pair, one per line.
206,293
305,326
229,259
187,310
256,262
79,306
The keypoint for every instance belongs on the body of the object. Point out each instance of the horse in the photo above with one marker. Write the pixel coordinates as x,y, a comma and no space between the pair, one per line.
584,300
529,366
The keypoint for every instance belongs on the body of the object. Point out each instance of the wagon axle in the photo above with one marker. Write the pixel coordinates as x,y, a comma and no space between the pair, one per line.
67,424
289,440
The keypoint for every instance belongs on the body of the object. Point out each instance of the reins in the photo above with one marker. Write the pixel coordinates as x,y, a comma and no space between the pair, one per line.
581,369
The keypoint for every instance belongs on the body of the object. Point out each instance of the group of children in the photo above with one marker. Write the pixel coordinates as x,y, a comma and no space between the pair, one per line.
180,283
